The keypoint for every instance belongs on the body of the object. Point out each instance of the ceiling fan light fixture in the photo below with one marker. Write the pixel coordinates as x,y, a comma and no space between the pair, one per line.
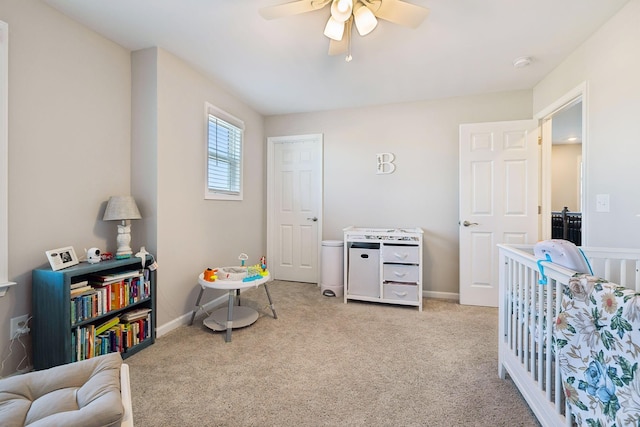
334,29
341,10
365,19
522,62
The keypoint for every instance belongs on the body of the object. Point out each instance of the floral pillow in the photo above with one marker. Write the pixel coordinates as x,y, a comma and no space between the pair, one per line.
597,341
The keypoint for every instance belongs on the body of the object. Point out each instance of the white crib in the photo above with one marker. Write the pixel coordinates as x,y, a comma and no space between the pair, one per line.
526,312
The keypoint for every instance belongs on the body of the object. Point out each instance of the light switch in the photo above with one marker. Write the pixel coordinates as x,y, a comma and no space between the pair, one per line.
602,203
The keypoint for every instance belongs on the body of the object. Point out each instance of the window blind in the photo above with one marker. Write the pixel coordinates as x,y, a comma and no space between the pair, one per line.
224,163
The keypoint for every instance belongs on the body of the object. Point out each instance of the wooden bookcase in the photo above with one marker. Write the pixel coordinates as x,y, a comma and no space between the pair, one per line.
52,326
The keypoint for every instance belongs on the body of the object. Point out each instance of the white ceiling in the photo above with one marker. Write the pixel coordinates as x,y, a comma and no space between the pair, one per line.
281,66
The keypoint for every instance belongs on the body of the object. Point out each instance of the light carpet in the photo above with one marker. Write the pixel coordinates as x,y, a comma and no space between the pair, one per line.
326,363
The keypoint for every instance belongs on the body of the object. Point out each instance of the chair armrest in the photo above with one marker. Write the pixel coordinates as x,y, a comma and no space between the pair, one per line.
125,391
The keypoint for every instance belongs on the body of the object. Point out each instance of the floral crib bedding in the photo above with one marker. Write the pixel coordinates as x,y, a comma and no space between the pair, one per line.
597,341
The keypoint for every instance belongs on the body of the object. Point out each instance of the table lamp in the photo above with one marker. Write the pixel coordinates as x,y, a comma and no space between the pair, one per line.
122,208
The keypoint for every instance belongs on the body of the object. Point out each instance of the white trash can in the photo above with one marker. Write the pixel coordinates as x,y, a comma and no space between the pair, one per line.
332,272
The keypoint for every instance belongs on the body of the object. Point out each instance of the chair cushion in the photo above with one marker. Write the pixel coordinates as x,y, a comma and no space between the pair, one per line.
83,394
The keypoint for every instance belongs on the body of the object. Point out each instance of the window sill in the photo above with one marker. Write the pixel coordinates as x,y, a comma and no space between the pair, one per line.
209,195
4,287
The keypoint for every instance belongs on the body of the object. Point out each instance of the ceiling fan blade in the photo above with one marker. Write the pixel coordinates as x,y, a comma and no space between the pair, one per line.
293,8
398,12
364,19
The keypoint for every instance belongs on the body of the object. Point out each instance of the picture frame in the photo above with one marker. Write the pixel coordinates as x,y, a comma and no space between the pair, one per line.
62,258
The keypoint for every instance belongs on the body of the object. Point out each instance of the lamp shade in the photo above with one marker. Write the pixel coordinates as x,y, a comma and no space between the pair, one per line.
365,19
121,208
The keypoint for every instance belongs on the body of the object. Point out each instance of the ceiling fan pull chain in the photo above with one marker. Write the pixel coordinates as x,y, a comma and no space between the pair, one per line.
348,58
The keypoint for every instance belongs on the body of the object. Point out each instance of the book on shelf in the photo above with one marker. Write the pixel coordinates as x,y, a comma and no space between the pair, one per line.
136,314
84,343
81,290
116,292
90,338
87,305
106,325
114,277
100,295
79,284
111,336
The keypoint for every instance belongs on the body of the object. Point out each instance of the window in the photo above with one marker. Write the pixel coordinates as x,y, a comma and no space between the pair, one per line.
224,155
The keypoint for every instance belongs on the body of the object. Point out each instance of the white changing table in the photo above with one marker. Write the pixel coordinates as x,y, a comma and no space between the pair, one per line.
231,317
383,265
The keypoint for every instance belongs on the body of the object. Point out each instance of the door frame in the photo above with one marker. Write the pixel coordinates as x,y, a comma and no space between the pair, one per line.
292,139
579,91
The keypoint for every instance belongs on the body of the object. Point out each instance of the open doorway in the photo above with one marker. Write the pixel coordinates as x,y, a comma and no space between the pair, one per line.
566,173
562,168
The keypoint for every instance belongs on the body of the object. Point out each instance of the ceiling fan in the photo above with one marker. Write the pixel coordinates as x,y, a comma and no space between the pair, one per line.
344,13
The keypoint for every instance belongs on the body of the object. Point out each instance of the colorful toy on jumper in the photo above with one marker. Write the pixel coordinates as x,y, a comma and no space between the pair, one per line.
243,257
210,274
258,271
244,272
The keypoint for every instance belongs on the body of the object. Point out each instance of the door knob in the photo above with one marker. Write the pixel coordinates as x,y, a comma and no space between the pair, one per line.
467,223
314,219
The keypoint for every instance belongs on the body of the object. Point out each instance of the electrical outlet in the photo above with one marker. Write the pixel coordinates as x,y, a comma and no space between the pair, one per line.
19,326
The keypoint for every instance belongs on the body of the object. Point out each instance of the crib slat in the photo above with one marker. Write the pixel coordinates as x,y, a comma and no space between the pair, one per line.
520,311
568,415
510,308
540,341
556,361
547,337
526,313
534,288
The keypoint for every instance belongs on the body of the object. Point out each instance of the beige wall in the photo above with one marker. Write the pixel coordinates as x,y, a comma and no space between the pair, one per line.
144,146
423,190
190,233
565,181
70,147
608,62
69,144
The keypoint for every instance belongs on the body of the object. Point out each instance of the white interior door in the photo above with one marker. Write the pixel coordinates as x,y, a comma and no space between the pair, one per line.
498,201
294,207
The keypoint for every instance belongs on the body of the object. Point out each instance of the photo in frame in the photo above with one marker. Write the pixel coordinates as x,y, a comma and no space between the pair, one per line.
62,258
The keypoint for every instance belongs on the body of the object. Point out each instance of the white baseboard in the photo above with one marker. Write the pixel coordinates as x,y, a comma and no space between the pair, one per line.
185,318
441,295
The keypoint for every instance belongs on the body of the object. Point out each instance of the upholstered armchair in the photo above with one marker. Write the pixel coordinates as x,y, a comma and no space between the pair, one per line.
92,392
